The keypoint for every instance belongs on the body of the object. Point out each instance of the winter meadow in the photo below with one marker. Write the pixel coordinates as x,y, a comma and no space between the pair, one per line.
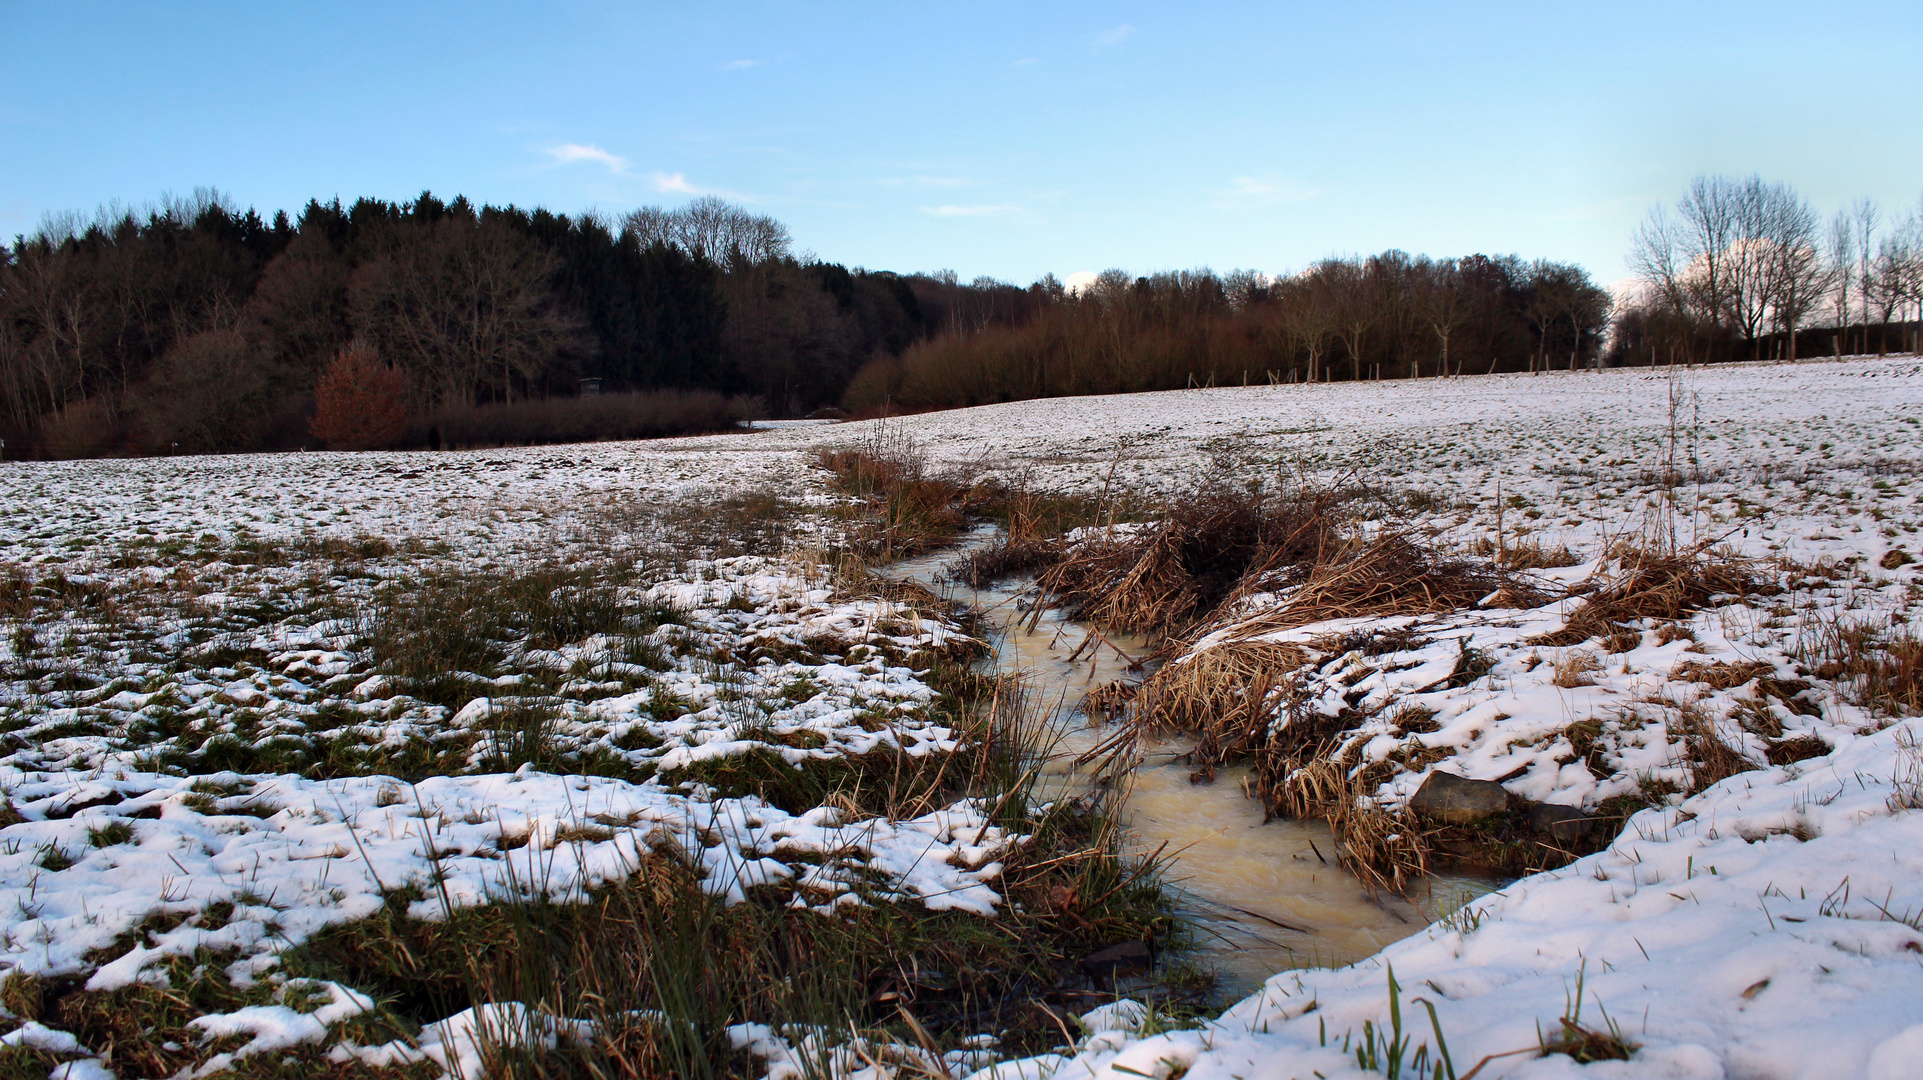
446,639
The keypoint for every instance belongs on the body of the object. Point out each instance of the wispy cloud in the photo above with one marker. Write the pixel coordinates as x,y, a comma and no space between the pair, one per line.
1108,39
737,65
675,183
1256,190
1026,61
569,153
967,211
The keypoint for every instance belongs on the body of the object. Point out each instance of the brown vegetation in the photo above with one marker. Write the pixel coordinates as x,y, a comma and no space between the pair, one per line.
1388,315
642,414
360,403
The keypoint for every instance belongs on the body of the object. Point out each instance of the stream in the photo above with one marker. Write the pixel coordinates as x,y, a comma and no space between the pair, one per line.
1259,897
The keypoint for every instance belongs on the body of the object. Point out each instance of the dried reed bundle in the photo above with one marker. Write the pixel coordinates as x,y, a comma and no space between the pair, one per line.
1653,585
1228,695
1169,578
1389,574
1382,847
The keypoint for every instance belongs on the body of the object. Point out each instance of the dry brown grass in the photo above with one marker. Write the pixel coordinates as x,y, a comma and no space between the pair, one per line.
1228,695
1386,850
906,506
1384,575
1518,554
1707,756
1879,667
1656,585
1722,675
1211,545
1576,668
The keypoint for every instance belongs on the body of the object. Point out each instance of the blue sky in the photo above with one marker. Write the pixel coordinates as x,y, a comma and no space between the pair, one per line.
1007,139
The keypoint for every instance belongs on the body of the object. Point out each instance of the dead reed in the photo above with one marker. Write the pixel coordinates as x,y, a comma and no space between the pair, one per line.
1172,576
1879,663
904,506
1654,584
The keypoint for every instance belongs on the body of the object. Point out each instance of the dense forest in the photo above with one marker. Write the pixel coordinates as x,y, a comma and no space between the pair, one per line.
1385,316
195,326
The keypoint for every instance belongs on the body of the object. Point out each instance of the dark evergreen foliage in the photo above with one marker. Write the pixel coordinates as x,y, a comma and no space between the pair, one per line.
104,325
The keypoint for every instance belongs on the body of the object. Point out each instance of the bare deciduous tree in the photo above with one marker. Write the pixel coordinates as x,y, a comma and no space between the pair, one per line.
712,228
466,311
1864,215
1842,256
1741,254
1442,303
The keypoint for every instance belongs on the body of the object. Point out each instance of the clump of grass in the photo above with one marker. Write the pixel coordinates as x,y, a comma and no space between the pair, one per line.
1653,583
1879,666
1226,695
908,505
438,635
1530,554
110,834
1575,668
1585,1044
1166,578
1708,757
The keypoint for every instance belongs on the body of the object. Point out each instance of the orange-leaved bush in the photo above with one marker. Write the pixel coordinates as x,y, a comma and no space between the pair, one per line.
360,402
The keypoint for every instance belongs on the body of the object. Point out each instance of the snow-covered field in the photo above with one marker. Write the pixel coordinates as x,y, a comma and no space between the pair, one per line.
169,619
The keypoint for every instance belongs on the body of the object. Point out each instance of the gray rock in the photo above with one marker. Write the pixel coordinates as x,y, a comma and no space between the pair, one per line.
1128,958
1564,824
1454,800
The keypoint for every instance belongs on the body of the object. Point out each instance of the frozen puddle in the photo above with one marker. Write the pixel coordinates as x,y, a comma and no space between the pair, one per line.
1261,898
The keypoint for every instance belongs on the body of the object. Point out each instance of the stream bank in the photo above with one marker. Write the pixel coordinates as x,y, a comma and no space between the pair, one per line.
1260,897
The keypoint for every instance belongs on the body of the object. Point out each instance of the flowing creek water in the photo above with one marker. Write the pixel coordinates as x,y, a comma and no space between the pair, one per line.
1261,897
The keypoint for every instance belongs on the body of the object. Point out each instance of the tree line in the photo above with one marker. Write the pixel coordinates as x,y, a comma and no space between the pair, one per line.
1390,315
195,325
1742,268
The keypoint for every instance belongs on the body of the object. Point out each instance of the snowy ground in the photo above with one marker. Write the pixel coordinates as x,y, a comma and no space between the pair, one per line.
1769,927
184,617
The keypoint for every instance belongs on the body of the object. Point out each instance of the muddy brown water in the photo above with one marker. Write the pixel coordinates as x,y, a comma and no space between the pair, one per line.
1260,897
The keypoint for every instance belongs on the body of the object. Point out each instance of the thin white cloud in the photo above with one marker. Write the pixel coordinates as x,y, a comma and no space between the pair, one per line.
737,65
1026,61
675,183
967,211
569,153
1257,190
678,184
1108,39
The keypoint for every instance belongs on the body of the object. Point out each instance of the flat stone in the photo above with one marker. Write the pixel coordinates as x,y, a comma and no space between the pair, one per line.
1455,800
1565,824
1128,958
